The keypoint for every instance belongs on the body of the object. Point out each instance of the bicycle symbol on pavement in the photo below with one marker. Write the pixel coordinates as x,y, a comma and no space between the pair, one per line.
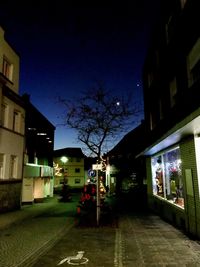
75,260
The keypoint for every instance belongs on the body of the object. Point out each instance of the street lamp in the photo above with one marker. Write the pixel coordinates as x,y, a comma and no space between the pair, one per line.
64,159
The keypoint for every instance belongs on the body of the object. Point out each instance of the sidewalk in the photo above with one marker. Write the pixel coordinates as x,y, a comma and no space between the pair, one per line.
26,211
28,233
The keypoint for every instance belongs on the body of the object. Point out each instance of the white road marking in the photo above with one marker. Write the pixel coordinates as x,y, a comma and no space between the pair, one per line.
118,249
78,259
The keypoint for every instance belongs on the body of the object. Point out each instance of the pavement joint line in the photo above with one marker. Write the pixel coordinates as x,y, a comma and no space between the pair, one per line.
118,262
34,256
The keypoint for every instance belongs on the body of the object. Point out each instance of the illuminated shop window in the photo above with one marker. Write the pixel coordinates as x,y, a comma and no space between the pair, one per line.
167,178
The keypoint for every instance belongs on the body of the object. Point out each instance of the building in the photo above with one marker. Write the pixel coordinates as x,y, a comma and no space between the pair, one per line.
69,167
38,160
172,115
124,169
12,128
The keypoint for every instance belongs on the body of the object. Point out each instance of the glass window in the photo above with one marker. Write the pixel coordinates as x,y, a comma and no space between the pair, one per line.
183,2
4,115
194,64
16,121
167,176
13,166
173,92
1,165
77,170
77,180
169,29
157,171
7,69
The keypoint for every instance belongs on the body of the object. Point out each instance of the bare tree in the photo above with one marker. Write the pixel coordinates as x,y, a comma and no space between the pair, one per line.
99,116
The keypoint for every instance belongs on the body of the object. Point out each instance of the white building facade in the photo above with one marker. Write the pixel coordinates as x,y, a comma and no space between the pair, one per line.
12,126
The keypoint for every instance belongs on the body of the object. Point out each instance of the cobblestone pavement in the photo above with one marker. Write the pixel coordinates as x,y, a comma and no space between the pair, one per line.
137,241
50,238
146,240
33,230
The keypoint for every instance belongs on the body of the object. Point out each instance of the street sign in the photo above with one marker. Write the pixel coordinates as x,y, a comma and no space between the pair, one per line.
97,166
92,173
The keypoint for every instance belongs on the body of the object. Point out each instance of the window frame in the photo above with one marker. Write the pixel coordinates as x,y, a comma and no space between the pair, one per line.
13,166
167,176
2,165
7,68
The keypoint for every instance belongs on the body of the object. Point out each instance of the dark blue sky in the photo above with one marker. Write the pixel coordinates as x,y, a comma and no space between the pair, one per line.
64,46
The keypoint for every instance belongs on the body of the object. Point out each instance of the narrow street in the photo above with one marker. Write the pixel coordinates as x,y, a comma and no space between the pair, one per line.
55,237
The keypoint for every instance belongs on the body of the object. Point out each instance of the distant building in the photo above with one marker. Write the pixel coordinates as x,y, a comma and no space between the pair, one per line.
69,167
12,128
38,160
172,115
124,168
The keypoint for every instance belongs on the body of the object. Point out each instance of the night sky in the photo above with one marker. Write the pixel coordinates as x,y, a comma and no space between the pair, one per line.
65,46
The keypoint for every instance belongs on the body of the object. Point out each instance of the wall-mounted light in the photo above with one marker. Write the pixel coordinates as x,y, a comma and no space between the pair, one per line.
41,134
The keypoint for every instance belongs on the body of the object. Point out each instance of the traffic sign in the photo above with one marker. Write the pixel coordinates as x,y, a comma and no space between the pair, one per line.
92,173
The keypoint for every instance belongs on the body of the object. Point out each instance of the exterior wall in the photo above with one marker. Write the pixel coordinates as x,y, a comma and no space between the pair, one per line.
191,185
10,195
189,217
6,50
159,205
11,134
171,101
27,190
12,144
37,183
67,172
111,175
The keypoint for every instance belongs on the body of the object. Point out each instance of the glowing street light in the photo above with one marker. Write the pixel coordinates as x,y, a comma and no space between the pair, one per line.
64,159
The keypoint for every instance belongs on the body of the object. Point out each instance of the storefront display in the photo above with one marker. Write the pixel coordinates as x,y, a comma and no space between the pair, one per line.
167,176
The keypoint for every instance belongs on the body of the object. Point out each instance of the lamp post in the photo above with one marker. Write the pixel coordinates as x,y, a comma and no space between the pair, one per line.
64,160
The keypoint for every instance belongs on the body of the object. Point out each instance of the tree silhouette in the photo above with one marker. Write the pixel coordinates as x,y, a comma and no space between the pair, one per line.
99,116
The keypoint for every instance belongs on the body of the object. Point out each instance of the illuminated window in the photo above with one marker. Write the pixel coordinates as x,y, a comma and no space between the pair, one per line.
167,180
194,64
13,166
173,92
1,165
7,69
